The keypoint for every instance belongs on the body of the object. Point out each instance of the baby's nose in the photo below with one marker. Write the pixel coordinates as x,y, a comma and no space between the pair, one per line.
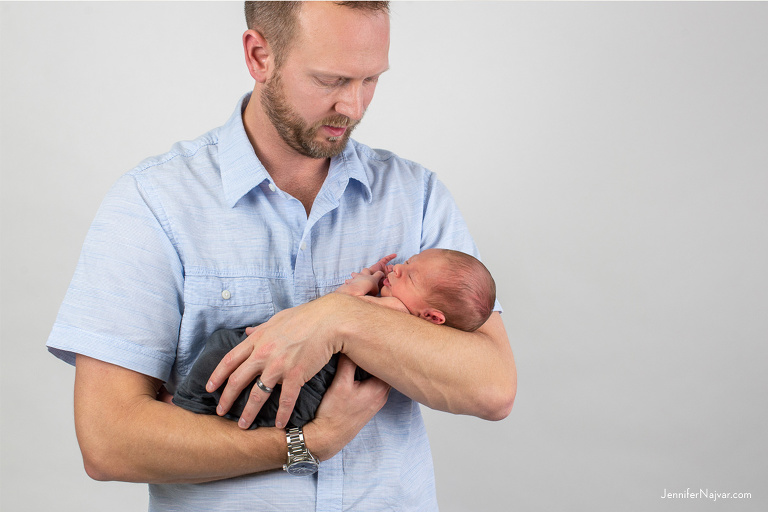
397,269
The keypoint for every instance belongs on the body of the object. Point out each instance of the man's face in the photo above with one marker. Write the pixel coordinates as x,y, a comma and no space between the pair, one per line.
310,140
328,77
412,282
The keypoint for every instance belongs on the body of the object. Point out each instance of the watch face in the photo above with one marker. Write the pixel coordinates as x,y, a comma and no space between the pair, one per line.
302,468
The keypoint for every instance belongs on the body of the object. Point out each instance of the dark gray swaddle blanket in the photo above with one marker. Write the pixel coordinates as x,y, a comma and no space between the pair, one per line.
191,393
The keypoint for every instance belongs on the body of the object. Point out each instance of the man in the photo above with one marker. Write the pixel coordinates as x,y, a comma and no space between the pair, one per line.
255,222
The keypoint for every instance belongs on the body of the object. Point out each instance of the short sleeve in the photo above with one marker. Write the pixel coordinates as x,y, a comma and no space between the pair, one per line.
443,225
125,301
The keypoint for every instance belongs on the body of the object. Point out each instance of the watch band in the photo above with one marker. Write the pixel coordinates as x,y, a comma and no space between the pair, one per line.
300,459
296,444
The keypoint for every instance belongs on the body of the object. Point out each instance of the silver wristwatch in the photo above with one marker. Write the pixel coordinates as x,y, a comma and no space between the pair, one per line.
300,459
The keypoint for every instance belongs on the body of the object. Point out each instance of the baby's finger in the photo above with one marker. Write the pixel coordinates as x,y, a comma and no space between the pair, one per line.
382,263
387,259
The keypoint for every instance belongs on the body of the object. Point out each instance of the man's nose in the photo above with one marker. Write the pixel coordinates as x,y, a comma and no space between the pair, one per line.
352,102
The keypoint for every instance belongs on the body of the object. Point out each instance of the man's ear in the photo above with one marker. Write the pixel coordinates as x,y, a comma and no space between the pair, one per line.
433,315
258,55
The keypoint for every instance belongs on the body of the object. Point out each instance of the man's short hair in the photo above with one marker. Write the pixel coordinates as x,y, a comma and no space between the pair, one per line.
277,22
466,295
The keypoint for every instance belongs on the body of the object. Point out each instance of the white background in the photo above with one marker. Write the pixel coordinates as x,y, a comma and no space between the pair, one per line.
611,160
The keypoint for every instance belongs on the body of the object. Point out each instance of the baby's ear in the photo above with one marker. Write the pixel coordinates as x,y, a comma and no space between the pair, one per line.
433,315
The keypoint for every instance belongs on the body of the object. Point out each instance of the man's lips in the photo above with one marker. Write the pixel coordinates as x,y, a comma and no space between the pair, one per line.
335,131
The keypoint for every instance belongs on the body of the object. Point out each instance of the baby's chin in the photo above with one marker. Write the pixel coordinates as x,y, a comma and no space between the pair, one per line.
385,291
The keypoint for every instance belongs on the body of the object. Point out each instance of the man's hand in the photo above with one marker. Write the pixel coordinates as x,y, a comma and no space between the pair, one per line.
288,349
345,409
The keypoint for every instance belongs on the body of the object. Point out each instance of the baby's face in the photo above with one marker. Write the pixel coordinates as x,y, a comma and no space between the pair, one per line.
412,281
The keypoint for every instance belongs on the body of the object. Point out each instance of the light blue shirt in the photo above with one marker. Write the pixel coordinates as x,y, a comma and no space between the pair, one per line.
200,239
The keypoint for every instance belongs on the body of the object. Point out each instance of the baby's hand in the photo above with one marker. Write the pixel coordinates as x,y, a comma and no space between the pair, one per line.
382,265
366,275
362,283
361,274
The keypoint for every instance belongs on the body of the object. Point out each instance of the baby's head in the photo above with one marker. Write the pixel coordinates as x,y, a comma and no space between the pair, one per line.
445,287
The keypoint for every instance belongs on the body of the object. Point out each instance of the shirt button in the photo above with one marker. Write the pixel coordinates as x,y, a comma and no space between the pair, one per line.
272,187
225,295
303,246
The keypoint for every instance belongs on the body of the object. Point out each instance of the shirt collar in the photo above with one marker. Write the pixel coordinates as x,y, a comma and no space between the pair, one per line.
241,170
348,165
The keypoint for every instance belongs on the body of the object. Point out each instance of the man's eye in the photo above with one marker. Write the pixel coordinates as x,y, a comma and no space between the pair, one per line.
331,82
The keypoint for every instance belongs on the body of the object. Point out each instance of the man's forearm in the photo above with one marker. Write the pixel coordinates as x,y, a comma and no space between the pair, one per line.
127,435
446,369
450,370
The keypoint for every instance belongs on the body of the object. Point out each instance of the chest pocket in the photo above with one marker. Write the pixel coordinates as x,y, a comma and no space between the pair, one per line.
329,286
212,303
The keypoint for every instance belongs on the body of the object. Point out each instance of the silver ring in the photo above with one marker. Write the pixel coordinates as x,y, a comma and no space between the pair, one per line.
263,386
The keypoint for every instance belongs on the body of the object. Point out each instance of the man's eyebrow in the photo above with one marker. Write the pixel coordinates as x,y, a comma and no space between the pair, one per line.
331,74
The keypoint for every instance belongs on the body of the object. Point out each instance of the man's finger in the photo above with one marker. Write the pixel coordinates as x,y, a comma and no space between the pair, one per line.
237,382
256,400
288,395
345,370
228,364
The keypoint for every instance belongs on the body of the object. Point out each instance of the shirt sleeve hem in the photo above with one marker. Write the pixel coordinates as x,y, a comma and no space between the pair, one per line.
66,342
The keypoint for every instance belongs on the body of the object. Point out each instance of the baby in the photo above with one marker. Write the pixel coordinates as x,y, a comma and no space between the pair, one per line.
440,285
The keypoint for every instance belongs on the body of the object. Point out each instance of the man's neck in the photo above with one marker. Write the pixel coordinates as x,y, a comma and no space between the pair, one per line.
296,174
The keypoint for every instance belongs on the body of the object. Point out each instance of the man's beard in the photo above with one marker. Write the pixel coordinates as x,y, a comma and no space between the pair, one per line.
295,131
